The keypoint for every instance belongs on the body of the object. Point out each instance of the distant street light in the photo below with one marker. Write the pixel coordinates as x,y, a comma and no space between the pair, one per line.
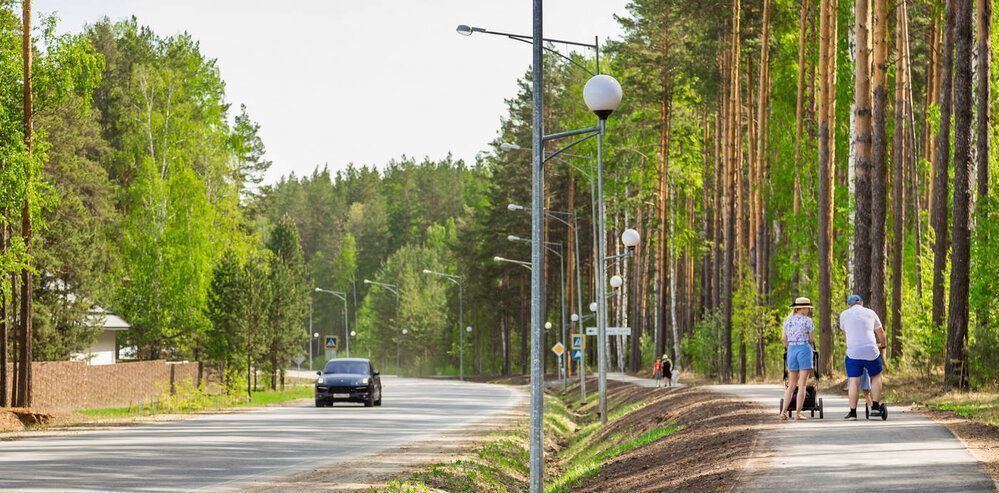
343,296
594,306
398,307
353,334
460,282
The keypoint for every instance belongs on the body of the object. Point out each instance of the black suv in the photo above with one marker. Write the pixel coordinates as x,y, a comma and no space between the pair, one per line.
348,380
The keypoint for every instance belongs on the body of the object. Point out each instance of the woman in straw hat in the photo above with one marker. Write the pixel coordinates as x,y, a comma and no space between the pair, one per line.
798,338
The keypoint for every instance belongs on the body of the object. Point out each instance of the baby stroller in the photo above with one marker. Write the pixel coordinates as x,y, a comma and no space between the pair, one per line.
812,401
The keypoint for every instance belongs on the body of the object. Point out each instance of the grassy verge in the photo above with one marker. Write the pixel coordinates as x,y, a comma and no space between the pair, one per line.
581,447
191,402
909,388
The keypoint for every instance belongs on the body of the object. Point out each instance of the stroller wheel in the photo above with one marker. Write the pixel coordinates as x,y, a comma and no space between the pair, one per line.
867,411
884,412
821,407
813,413
781,404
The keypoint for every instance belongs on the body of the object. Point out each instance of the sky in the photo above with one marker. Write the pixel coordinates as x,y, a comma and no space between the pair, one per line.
362,81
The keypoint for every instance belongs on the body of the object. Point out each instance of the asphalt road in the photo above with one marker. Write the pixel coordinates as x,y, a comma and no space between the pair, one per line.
224,452
908,453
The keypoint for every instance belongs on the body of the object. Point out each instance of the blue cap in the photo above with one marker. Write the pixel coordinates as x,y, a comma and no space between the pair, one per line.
853,299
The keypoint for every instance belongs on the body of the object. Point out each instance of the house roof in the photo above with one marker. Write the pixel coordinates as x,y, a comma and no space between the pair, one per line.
111,321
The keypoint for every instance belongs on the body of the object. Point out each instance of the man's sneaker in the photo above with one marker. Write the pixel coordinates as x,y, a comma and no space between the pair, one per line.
851,416
876,411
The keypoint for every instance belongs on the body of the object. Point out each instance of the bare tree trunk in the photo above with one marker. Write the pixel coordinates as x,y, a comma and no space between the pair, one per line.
827,118
984,101
862,179
879,160
732,184
706,216
940,168
636,313
24,377
956,371
902,147
4,232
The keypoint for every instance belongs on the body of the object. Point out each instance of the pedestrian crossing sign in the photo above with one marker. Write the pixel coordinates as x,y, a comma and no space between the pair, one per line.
332,342
577,354
578,341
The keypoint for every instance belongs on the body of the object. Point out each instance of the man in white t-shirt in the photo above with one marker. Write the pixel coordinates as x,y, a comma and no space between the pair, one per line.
865,338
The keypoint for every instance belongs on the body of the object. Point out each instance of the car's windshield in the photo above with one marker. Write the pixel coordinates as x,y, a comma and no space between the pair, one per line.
357,367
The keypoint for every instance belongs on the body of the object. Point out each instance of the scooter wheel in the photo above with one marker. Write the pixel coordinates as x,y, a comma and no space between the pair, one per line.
821,409
884,412
867,411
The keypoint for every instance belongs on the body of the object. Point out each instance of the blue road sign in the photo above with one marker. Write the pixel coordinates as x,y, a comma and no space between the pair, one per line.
332,342
578,340
577,354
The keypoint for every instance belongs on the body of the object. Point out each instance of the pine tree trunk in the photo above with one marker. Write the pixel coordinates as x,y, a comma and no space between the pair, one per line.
956,371
938,212
24,377
984,113
826,135
862,180
4,232
902,147
706,216
879,160
731,191
799,125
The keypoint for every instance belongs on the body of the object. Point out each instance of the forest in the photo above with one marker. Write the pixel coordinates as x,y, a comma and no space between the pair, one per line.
764,150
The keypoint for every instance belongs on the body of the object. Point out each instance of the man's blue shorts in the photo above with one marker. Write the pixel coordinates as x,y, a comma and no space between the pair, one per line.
855,367
799,357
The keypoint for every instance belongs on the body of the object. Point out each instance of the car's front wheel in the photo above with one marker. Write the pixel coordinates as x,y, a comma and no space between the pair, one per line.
320,403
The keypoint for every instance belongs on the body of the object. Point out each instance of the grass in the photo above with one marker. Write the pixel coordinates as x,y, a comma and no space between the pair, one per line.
500,464
196,402
981,406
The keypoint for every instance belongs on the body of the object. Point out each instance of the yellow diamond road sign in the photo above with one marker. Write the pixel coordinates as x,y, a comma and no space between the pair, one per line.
558,348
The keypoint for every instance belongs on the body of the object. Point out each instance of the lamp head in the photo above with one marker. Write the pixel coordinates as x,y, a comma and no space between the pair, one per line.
426,271
514,207
319,290
593,306
548,325
464,30
405,331
506,146
616,281
316,334
630,238
602,94
512,238
497,259
574,317
353,333
468,329
367,281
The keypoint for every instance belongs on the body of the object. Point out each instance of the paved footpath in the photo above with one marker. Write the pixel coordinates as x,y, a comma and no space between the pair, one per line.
908,453
221,452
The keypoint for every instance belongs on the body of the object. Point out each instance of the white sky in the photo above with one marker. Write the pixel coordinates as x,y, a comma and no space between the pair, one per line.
360,81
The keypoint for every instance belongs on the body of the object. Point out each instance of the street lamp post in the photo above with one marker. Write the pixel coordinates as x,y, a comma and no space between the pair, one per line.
310,334
460,282
398,306
538,139
346,330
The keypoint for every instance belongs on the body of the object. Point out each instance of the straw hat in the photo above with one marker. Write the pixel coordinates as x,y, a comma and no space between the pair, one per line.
802,302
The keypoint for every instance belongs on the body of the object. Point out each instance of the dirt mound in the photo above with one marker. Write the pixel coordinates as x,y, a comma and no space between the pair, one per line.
19,418
707,454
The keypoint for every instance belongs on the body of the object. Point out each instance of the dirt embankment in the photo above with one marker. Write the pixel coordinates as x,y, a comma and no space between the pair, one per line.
707,454
19,419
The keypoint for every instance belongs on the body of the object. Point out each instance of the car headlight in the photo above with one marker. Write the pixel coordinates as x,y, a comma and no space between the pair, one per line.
319,380
365,381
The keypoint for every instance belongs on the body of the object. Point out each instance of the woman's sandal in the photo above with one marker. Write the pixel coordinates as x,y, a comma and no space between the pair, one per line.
801,417
783,416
